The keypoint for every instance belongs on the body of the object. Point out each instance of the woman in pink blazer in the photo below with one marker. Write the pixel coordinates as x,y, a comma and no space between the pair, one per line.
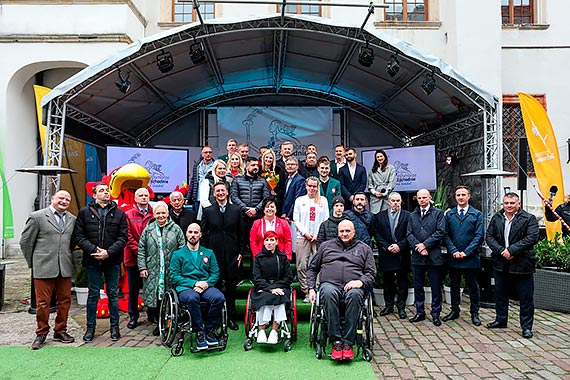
270,222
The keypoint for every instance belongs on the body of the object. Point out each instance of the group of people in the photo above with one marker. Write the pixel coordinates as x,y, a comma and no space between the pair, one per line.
317,209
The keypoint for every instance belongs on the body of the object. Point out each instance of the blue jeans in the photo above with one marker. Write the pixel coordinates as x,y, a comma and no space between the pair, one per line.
214,297
112,274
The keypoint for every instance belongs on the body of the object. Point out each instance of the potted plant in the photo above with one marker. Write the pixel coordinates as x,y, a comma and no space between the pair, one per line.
81,289
552,277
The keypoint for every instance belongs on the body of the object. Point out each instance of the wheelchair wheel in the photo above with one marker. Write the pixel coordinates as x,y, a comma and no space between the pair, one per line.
319,351
294,316
367,354
313,326
248,344
369,326
168,320
287,345
178,349
249,319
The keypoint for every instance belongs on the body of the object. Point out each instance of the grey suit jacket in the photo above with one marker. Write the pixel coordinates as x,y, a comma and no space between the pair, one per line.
47,249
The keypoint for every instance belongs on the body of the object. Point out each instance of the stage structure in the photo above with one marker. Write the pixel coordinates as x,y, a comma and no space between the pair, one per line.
414,98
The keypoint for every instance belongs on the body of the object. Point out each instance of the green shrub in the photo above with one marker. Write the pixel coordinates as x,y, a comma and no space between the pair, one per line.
553,253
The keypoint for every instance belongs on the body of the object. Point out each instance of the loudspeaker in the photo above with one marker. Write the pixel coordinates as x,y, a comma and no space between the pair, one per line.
522,166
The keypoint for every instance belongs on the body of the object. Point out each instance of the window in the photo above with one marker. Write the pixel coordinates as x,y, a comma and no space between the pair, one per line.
517,12
311,10
406,10
513,130
184,11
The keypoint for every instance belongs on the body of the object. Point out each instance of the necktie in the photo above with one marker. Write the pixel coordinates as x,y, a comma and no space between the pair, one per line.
222,208
423,212
61,221
461,213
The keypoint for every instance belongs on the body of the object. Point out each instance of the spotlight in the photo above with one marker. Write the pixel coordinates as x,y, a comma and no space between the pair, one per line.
393,67
365,56
164,62
428,84
197,54
123,83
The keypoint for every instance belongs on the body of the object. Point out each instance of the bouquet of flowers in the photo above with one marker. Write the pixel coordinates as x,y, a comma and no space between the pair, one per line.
271,178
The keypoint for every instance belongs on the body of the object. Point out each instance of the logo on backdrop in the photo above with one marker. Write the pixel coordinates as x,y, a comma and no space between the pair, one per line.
404,176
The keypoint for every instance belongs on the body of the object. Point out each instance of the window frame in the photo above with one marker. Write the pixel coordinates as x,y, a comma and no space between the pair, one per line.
299,9
405,17
194,14
511,13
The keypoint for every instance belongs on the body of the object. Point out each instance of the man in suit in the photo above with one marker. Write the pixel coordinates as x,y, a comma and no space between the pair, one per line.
223,233
330,187
511,235
201,167
352,176
231,147
390,232
46,245
178,213
464,225
286,152
101,231
338,161
294,188
426,230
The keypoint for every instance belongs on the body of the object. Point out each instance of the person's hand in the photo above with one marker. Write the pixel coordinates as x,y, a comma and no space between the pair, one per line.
100,254
394,248
251,212
144,273
351,198
420,247
278,292
239,259
202,285
506,254
459,255
312,296
354,284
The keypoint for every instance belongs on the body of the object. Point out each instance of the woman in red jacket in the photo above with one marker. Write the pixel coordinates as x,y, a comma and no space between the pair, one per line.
270,222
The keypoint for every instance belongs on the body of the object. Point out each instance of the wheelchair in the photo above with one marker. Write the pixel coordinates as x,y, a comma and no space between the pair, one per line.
175,322
318,331
287,334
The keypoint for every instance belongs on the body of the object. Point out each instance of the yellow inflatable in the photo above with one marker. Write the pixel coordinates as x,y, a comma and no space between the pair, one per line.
129,176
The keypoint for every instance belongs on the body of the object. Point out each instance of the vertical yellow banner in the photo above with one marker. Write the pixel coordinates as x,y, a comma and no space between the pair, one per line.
544,153
40,92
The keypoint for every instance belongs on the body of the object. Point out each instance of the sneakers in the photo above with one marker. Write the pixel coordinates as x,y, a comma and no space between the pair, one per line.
201,341
261,337
273,337
115,334
336,353
347,352
211,339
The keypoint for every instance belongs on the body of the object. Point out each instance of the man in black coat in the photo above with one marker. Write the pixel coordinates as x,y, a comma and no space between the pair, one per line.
178,213
563,210
511,235
101,231
390,232
426,230
223,233
352,177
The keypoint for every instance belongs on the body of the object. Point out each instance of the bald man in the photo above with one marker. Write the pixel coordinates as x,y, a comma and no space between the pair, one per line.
345,267
426,230
46,245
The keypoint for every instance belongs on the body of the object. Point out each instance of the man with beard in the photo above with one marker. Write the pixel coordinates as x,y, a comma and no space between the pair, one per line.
352,177
361,218
309,167
178,213
193,274
345,267
222,224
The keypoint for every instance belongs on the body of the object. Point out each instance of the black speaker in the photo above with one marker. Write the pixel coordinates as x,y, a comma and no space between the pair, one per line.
522,166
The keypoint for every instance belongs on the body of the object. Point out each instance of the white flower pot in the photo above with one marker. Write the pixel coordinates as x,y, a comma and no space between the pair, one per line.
379,297
410,299
447,294
81,294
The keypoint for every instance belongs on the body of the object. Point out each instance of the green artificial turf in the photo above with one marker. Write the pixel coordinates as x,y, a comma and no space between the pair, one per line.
263,362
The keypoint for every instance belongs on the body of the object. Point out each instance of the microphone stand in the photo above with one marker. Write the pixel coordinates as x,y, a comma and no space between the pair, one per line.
549,205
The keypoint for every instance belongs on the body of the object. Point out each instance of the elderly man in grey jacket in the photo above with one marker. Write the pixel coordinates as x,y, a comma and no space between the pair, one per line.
346,268
46,245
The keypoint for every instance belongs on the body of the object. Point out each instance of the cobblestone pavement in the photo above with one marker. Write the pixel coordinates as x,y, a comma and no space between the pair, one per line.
455,350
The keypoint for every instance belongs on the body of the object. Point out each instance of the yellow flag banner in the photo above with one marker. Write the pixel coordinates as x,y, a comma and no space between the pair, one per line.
40,92
544,153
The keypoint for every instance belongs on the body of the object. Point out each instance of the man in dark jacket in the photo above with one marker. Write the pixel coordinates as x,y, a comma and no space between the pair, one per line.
352,176
178,213
390,231
346,268
426,230
511,235
101,231
329,228
222,226
361,217
294,188
563,211
464,226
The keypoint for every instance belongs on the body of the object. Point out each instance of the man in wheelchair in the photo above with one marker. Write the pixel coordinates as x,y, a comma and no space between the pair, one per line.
193,273
345,267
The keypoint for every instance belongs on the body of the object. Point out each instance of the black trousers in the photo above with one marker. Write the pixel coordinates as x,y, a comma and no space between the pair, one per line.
435,274
523,284
229,278
471,278
396,283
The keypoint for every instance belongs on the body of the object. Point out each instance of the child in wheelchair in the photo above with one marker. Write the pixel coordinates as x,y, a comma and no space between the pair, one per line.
272,278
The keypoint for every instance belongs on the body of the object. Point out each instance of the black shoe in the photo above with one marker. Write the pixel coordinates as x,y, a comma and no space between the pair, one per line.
418,318
527,333
475,319
232,325
156,331
89,334
132,324
402,314
386,311
453,314
115,334
436,321
496,325
39,342
64,337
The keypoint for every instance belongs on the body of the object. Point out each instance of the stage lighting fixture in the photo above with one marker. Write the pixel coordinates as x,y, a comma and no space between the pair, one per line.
428,84
164,62
393,67
197,54
123,83
365,56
